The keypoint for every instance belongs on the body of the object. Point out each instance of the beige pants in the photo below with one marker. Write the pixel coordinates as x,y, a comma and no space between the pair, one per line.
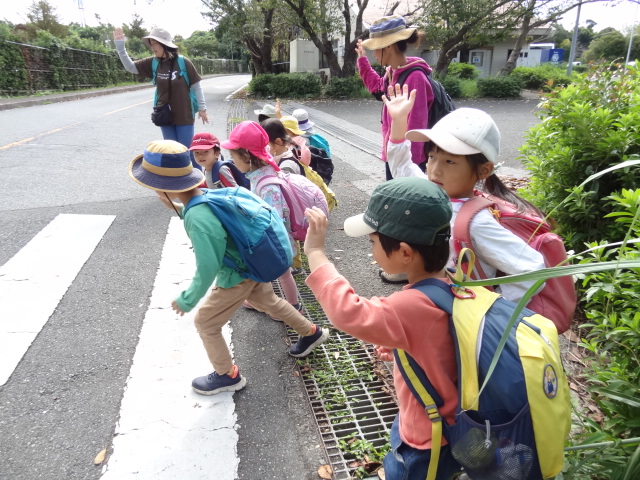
222,303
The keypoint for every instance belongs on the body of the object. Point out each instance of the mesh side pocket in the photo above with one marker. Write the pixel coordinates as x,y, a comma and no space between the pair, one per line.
496,452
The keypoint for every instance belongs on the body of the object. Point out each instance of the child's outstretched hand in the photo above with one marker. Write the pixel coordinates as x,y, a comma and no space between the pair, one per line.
278,108
399,101
384,353
316,235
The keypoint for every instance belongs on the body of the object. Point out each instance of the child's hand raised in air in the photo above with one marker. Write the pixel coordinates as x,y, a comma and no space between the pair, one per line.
316,235
399,101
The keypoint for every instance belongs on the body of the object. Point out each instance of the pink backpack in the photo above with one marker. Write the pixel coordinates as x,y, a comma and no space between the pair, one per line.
300,193
557,300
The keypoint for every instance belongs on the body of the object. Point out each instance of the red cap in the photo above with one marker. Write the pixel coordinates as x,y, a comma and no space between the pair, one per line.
204,141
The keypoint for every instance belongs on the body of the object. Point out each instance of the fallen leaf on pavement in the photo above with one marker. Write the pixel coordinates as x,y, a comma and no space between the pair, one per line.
325,472
100,457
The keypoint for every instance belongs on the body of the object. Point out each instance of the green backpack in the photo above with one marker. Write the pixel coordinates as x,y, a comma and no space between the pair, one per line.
183,73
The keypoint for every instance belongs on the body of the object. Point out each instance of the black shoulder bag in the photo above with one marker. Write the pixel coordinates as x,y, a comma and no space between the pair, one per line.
161,115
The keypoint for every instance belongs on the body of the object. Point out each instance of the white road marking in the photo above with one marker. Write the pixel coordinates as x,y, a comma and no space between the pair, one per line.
34,281
166,430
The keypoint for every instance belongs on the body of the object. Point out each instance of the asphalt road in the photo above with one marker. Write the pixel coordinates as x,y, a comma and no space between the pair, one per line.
61,405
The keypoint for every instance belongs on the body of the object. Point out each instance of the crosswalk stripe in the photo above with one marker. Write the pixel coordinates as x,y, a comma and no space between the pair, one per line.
33,281
166,430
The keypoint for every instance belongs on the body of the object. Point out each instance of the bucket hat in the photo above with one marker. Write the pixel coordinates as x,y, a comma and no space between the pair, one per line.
204,141
252,137
301,115
409,209
159,35
268,111
165,166
464,131
290,123
386,31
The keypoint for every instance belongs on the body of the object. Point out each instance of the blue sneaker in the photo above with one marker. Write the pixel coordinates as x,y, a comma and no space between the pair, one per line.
214,383
305,345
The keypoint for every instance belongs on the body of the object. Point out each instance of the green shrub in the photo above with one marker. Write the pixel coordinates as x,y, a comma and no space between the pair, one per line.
464,71
349,87
544,76
587,127
14,80
499,87
289,85
469,88
453,86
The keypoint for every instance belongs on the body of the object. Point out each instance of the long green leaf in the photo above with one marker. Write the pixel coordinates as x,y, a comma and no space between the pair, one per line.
621,397
632,472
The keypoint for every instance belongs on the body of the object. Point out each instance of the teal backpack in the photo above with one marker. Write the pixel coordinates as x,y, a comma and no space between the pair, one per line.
183,73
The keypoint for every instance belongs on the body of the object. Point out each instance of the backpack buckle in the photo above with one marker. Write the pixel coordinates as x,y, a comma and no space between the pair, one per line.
432,412
461,292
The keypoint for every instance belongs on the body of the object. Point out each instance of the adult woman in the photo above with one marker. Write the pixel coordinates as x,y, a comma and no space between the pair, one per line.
171,87
388,38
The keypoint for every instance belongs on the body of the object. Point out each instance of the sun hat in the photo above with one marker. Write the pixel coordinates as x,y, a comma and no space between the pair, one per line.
464,131
252,137
386,31
291,124
409,209
268,111
301,115
204,141
165,166
159,35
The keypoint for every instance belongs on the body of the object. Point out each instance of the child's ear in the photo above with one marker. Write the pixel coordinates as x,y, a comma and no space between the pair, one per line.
406,252
485,170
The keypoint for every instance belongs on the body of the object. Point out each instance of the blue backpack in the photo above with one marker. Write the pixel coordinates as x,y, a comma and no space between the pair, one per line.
255,227
183,73
514,427
238,176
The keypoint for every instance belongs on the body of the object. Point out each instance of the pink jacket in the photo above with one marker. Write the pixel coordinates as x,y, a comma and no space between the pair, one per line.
424,98
406,320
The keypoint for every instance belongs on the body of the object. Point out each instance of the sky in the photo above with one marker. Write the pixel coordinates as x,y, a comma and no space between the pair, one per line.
182,17
179,17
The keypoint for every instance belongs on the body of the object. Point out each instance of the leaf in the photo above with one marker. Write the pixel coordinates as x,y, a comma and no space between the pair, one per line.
325,472
336,355
100,457
381,473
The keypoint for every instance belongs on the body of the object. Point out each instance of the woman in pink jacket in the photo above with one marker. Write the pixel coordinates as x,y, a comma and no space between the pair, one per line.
388,38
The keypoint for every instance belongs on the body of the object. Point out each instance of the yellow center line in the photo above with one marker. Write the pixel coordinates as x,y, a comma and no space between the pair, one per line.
125,108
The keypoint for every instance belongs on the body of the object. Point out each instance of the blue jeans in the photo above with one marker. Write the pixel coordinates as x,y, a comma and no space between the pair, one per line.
407,463
182,134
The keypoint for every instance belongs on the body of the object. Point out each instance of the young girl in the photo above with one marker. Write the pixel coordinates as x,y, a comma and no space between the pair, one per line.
248,147
281,145
462,150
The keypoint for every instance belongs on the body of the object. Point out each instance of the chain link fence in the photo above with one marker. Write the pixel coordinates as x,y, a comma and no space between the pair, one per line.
30,69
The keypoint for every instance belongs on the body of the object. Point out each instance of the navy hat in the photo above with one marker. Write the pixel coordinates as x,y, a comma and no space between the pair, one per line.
165,166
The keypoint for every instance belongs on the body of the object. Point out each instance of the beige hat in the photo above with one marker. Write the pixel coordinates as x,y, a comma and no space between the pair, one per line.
159,35
387,31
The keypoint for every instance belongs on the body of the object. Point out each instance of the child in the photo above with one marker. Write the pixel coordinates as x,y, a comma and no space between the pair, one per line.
462,149
206,150
268,111
165,167
300,149
281,145
248,147
314,139
408,224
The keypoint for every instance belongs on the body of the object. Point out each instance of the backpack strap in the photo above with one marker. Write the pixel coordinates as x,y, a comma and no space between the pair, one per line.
183,70
422,389
462,226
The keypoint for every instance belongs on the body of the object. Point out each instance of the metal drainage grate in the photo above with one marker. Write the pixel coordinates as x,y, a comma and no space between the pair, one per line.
350,402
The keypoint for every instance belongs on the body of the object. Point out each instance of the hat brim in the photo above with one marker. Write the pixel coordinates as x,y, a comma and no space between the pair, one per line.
295,131
306,125
204,147
356,227
146,41
445,140
384,41
266,114
162,183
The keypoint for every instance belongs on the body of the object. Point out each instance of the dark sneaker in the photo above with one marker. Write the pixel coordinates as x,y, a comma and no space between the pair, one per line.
296,271
297,306
305,345
214,383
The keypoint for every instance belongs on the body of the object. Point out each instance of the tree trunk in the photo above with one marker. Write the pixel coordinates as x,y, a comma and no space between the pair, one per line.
508,67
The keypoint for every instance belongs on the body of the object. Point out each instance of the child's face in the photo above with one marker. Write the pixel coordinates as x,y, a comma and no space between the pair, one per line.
388,263
453,173
241,162
206,158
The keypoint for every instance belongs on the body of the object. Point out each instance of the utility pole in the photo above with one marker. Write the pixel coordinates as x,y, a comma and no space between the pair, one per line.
633,31
574,41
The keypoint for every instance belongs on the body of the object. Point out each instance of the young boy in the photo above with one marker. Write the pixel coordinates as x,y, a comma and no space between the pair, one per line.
206,150
407,221
165,167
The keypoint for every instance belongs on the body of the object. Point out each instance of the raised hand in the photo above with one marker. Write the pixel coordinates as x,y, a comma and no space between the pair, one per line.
118,34
399,101
360,49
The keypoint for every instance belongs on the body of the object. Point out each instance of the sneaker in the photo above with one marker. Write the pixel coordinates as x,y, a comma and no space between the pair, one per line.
305,345
214,383
297,306
393,277
296,271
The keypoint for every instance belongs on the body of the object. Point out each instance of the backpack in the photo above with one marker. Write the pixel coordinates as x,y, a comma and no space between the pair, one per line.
442,102
256,229
318,141
238,176
299,193
183,73
515,427
321,163
557,300
310,173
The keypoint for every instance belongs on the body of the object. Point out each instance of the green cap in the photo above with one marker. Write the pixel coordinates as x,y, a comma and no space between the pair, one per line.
412,210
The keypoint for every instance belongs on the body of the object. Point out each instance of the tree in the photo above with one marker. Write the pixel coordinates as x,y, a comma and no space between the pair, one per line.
135,28
609,44
43,16
202,44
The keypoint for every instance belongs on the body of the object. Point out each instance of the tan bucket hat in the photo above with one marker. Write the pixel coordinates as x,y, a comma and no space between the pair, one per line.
159,35
386,31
